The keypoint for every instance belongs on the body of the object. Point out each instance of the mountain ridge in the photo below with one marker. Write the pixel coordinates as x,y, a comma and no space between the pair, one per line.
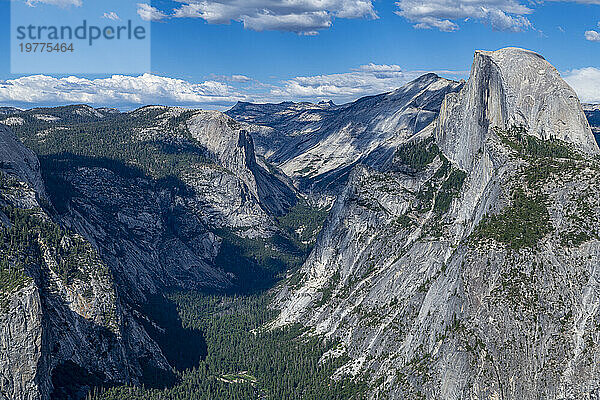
317,146
435,273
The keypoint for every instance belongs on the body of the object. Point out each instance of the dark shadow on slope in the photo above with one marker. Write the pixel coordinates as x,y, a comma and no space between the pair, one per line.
183,348
61,191
70,381
257,263
593,117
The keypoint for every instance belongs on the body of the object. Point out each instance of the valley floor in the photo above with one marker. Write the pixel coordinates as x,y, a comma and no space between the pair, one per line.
244,360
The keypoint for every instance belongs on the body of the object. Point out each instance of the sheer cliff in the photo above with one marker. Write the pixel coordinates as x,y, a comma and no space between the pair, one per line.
592,112
468,268
59,307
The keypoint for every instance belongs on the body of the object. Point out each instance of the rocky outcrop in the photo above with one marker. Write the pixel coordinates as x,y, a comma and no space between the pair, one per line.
149,235
17,160
232,147
511,87
468,268
274,127
592,112
21,343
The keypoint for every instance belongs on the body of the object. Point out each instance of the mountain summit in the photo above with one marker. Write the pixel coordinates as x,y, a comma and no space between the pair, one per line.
511,87
468,269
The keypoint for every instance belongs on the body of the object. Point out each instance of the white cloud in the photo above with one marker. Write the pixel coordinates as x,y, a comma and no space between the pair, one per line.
504,15
111,15
300,16
116,90
586,82
380,68
443,25
240,78
366,80
60,3
149,13
592,36
216,92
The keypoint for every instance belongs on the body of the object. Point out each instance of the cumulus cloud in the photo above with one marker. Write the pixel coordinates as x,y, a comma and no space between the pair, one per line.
300,16
592,36
111,15
586,82
380,68
117,90
60,3
366,80
149,13
240,78
381,72
443,25
503,15
216,92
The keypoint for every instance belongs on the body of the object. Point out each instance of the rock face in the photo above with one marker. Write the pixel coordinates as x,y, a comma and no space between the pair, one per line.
110,239
318,145
19,161
274,126
21,342
147,234
59,308
233,148
468,268
592,112
511,87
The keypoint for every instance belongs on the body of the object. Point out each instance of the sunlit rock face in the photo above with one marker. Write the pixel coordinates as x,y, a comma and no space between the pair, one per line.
468,268
511,87
317,145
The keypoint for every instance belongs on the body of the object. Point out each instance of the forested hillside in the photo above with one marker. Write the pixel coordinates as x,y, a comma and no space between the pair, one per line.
128,183
245,360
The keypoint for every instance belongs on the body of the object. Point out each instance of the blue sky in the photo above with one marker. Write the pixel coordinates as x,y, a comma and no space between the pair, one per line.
210,54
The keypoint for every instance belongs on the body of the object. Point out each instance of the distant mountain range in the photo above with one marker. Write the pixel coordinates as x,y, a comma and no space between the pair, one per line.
318,145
